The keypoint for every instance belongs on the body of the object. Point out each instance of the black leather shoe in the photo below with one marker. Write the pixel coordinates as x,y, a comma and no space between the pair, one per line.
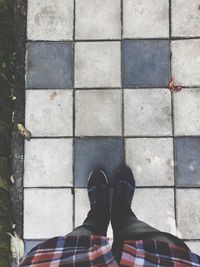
124,187
98,217
98,190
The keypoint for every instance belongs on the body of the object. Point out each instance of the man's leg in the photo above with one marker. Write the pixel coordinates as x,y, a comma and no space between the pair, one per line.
125,224
97,220
94,224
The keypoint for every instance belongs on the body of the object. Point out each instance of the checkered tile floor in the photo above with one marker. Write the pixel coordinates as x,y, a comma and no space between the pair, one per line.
97,75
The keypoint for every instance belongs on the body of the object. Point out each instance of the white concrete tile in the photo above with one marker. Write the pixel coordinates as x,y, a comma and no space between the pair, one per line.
186,62
49,112
98,112
50,20
187,112
47,213
82,207
147,112
155,206
188,213
98,19
145,18
48,162
185,18
97,64
151,160
194,246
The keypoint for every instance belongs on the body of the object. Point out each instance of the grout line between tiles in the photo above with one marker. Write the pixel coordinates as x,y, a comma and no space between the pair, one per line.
114,136
137,187
74,115
110,88
122,95
172,115
48,187
174,38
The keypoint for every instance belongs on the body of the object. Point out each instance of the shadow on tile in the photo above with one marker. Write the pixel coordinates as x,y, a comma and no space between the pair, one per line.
91,153
29,244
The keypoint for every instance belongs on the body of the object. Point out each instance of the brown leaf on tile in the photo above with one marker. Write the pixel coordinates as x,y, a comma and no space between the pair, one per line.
171,85
178,88
174,88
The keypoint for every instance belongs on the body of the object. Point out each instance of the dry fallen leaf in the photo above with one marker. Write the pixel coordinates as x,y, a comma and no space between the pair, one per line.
171,84
23,131
12,178
53,95
173,87
17,247
178,88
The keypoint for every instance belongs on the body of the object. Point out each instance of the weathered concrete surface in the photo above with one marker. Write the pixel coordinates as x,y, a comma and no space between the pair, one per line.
187,112
147,112
146,19
145,63
50,20
17,140
103,111
186,62
40,208
149,165
188,161
97,64
53,116
189,209
6,108
41,160
105,24
185,18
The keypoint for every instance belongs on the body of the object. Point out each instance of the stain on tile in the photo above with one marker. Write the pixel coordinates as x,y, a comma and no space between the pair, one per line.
50,20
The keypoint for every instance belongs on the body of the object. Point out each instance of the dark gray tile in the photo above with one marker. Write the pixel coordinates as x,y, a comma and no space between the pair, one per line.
91,153
29,244
188,161
146,63
49,65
